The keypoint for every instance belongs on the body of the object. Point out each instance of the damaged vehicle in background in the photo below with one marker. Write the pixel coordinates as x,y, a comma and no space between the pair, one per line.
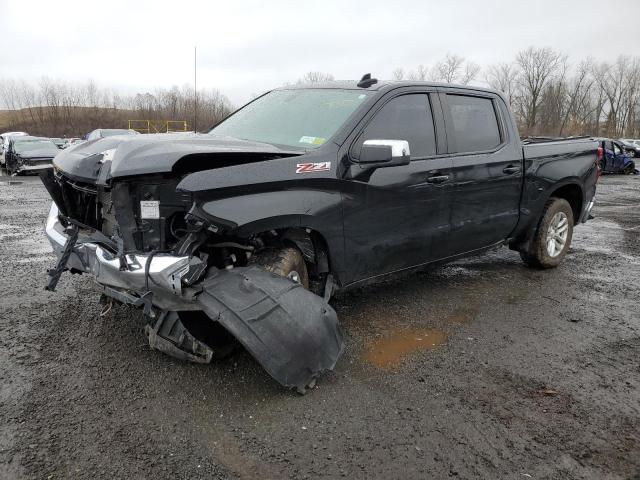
99,133
26,154
615,158
4,143
249,229
59,142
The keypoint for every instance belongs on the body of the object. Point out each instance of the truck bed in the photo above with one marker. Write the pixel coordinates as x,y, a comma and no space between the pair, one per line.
557,148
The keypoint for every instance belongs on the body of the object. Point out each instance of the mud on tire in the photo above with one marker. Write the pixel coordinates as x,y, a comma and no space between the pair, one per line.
538,255
285,261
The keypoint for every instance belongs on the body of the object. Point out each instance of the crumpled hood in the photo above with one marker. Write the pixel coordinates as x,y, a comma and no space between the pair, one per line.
152,153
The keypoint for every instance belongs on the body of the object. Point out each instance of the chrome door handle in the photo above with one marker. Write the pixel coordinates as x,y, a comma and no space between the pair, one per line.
511,169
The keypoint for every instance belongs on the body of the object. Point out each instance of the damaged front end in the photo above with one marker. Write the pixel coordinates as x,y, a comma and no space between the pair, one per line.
148,245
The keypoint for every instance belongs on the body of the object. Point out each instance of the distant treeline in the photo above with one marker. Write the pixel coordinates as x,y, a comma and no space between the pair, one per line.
548,94
551,96
57,109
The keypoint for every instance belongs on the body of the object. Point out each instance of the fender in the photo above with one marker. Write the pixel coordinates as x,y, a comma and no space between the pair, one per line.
546,168
536,198
318,210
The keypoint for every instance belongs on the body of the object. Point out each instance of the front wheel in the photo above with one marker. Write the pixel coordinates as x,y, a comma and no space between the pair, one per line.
286,262
553,235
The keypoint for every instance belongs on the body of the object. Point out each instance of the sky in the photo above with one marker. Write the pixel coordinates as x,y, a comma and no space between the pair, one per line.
245,47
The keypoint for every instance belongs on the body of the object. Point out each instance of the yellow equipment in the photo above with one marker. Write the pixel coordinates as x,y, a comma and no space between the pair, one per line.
158,126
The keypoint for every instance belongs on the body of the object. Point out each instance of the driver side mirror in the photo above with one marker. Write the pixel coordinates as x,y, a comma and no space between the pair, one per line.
385,153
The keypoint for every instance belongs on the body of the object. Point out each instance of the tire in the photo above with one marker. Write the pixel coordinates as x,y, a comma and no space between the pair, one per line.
286,262
556,215
631,168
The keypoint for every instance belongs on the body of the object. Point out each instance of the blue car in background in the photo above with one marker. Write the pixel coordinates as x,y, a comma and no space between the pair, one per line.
615,158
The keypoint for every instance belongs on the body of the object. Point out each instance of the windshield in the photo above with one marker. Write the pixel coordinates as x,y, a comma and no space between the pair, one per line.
30,146
295,118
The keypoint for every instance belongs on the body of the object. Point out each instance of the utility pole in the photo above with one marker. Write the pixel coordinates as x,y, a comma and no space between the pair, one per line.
195,89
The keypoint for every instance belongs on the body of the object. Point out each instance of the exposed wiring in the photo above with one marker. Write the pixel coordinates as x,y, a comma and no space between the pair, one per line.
248,248
180,232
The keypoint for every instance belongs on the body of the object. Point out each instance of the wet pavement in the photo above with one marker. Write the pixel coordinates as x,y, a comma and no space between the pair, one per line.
478,369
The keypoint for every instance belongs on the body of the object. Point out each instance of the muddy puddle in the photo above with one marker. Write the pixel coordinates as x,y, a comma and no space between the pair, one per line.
389,352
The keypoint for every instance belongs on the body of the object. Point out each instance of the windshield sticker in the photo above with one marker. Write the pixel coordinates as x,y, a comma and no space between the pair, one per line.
312,140
313,167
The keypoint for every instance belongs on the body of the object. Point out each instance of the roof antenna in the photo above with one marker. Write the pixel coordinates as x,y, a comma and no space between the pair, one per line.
366,81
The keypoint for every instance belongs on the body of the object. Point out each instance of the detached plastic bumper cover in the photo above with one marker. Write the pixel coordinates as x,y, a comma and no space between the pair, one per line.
291,332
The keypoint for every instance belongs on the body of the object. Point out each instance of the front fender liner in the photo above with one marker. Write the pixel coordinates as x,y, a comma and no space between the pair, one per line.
290,331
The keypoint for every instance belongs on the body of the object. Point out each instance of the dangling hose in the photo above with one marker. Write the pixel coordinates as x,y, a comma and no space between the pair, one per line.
147,264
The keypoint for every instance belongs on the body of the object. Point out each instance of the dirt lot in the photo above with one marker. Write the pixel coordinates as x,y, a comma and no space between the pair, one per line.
479,369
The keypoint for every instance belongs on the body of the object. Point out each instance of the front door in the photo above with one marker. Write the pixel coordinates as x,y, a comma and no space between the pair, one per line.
396,217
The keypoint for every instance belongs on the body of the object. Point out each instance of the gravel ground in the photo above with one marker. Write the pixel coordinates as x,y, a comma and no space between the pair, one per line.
478,369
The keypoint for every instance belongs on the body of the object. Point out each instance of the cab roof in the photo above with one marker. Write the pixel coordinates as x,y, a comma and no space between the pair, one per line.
382,85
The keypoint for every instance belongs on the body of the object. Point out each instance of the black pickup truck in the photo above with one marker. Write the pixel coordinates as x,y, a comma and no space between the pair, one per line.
304,191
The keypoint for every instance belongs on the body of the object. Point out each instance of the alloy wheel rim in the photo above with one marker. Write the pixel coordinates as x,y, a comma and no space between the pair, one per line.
557,234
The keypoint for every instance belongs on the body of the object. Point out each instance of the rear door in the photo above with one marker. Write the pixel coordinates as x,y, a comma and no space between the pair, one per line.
397,217
487,169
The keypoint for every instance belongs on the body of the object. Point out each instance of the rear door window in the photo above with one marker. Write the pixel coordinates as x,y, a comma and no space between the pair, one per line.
407,117
475,123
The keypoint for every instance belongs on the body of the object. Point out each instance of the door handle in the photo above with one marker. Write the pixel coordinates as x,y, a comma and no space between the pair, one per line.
511,169
437,178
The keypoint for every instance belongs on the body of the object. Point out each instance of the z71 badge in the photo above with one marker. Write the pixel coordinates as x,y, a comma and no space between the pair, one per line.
313,167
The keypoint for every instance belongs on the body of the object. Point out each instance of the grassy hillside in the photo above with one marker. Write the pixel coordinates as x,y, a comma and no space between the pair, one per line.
4,120
66,121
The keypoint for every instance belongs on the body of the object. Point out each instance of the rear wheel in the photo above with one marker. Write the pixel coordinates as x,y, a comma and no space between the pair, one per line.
286,262
552,238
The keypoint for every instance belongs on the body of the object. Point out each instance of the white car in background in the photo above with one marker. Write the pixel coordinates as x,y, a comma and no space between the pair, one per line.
4,142
109,132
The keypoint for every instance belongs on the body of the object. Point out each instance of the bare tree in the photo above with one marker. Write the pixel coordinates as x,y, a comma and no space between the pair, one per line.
578,93
503,77
452,69
538,66
448,70
471,71
419,73
316,77
55,108
397,74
